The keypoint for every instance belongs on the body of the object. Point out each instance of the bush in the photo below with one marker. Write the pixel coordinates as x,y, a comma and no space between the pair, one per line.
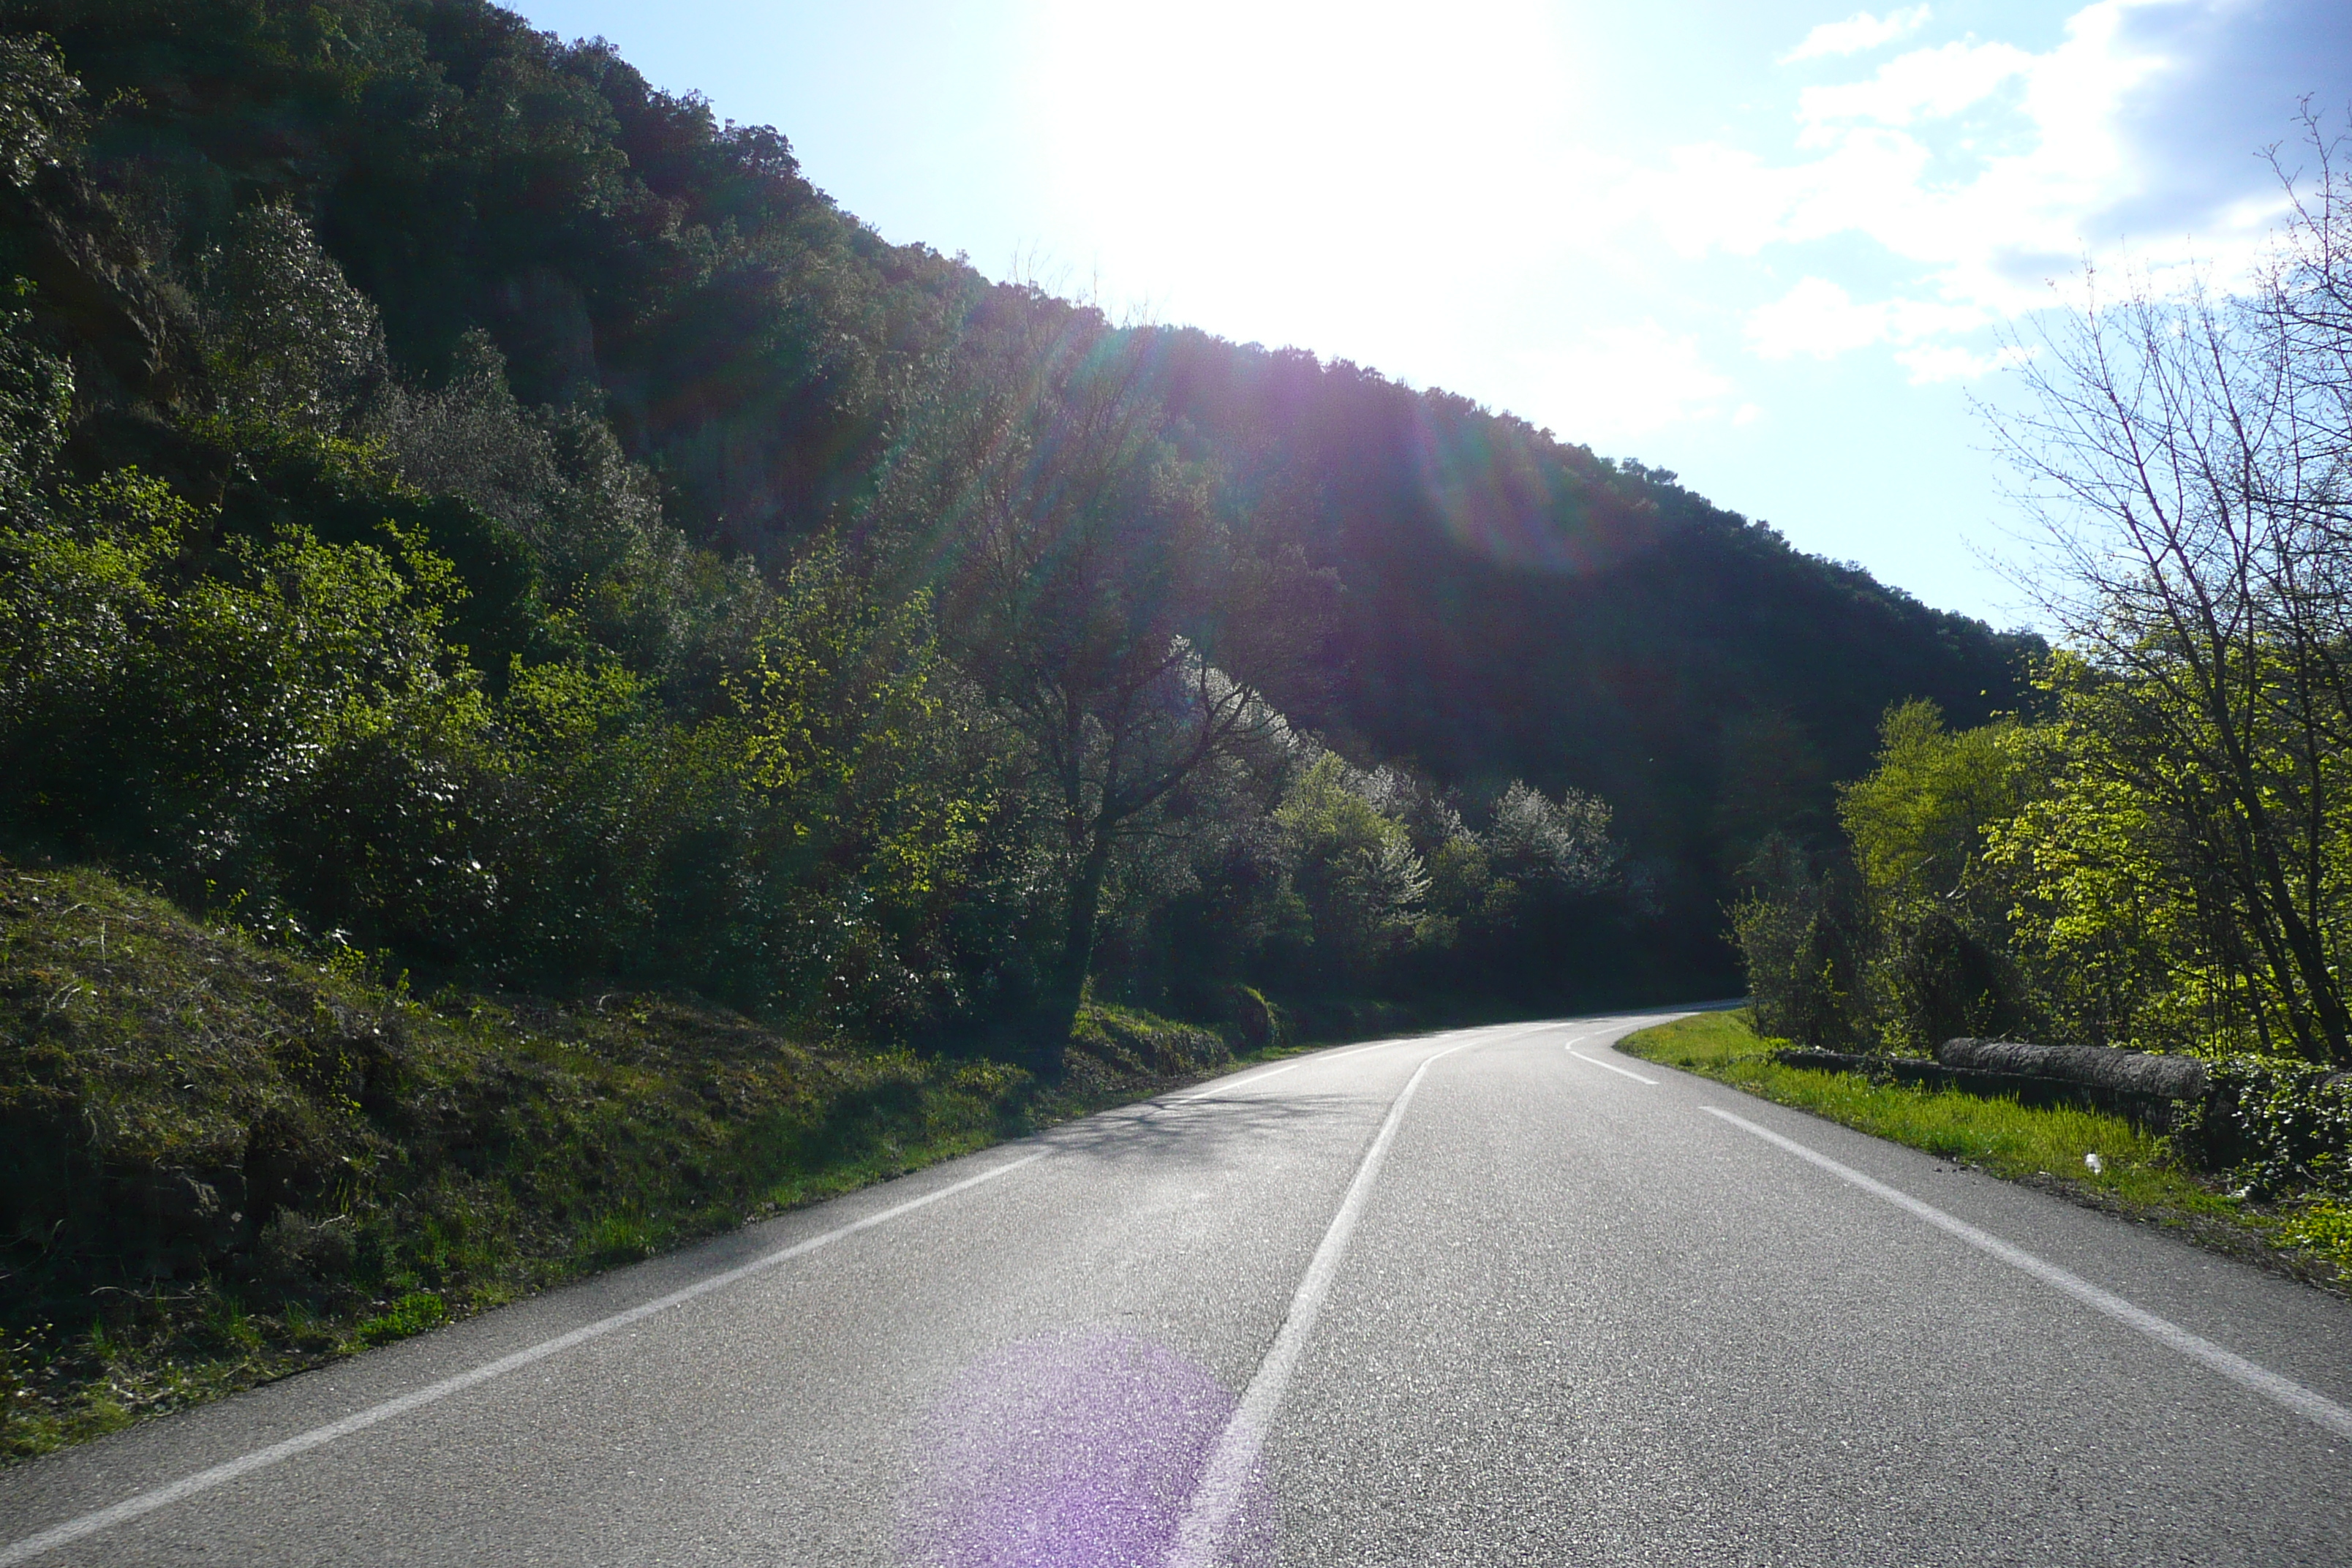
2276,1126
1802,938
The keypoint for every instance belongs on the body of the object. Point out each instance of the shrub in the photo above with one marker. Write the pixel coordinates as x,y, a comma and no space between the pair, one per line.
2278,1126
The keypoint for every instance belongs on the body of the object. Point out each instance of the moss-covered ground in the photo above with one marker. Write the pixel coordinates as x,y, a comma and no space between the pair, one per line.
221,1162
2134,1175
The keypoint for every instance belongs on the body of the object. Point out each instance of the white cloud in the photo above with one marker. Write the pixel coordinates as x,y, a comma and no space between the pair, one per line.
1890,167
1988,167
1818,318
1627,381
1925,84
1858,32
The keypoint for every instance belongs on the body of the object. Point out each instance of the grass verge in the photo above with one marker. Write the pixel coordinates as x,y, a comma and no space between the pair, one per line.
2134,1175
220,1163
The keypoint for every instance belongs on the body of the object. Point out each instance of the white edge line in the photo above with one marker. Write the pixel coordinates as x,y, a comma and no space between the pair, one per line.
1219,1495
1613,1067
1237,1082
2259,1380
262,1458
1480,1036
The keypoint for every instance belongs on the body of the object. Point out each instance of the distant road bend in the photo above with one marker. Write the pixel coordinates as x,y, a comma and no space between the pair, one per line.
1498,1295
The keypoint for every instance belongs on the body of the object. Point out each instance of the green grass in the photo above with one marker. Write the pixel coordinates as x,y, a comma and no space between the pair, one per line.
221,1162
2137,1177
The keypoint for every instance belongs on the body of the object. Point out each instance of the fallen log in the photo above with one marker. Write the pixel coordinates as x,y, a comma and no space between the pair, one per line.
2105,1067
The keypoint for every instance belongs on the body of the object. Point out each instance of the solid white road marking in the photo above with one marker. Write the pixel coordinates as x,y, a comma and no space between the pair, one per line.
1240,1083
2260,1380
1215,1090
204,1480
1229,1084
1226,1475
1613,1067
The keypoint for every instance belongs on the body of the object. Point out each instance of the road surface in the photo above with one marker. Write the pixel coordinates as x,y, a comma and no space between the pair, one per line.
1501,1295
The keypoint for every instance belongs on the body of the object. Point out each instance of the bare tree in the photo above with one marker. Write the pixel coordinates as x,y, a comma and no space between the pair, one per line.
2185,455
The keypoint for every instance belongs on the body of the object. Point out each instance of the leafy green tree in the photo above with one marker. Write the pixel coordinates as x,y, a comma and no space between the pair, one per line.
2127,908
175,722
860,746
36,391
288,337
1354,870
1938,911
1085,586
1918,821
846,711
41,117
1805,938
2186,456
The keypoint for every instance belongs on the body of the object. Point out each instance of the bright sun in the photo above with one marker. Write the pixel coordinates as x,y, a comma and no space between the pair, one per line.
1295,131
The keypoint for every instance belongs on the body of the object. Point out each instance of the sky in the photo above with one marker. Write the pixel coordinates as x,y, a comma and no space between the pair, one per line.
1786,250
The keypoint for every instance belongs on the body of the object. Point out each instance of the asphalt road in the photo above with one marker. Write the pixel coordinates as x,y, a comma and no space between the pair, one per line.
1495,1297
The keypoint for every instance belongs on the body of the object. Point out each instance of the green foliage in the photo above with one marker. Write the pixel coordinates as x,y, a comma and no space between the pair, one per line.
1133,1046
2047,1143
1539,842
2101,914
1918,821
1804,940
36,401
2277,1127
288,337
1353,869
846,717
1936,962
186,722
40,108
2322,1227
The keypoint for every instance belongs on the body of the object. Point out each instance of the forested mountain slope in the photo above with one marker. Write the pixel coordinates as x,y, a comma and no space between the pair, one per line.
604,355
1516,607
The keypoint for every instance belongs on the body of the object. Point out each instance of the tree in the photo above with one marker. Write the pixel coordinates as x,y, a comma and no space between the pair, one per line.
2187,456
1085,583
287,336
1353,867
1938,911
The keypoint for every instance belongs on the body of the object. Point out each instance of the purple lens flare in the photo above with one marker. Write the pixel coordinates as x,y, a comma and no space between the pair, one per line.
1072,1450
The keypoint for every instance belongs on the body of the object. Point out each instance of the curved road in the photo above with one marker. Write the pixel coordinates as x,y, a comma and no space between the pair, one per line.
1501,1295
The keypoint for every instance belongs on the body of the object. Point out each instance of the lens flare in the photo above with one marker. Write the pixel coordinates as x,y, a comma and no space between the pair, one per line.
1075,1450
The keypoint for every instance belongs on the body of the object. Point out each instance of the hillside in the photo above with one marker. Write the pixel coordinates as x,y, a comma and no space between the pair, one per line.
222,1163
682,328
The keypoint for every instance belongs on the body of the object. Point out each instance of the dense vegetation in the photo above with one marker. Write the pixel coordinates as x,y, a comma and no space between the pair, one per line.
475,528
2158,852
842,636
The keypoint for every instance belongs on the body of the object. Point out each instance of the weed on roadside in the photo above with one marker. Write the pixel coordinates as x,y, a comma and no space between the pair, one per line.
2105,1161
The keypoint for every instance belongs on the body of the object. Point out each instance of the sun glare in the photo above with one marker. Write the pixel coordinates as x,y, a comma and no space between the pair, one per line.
1293,134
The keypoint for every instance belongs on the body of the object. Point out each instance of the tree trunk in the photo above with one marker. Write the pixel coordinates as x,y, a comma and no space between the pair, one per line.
1066,987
